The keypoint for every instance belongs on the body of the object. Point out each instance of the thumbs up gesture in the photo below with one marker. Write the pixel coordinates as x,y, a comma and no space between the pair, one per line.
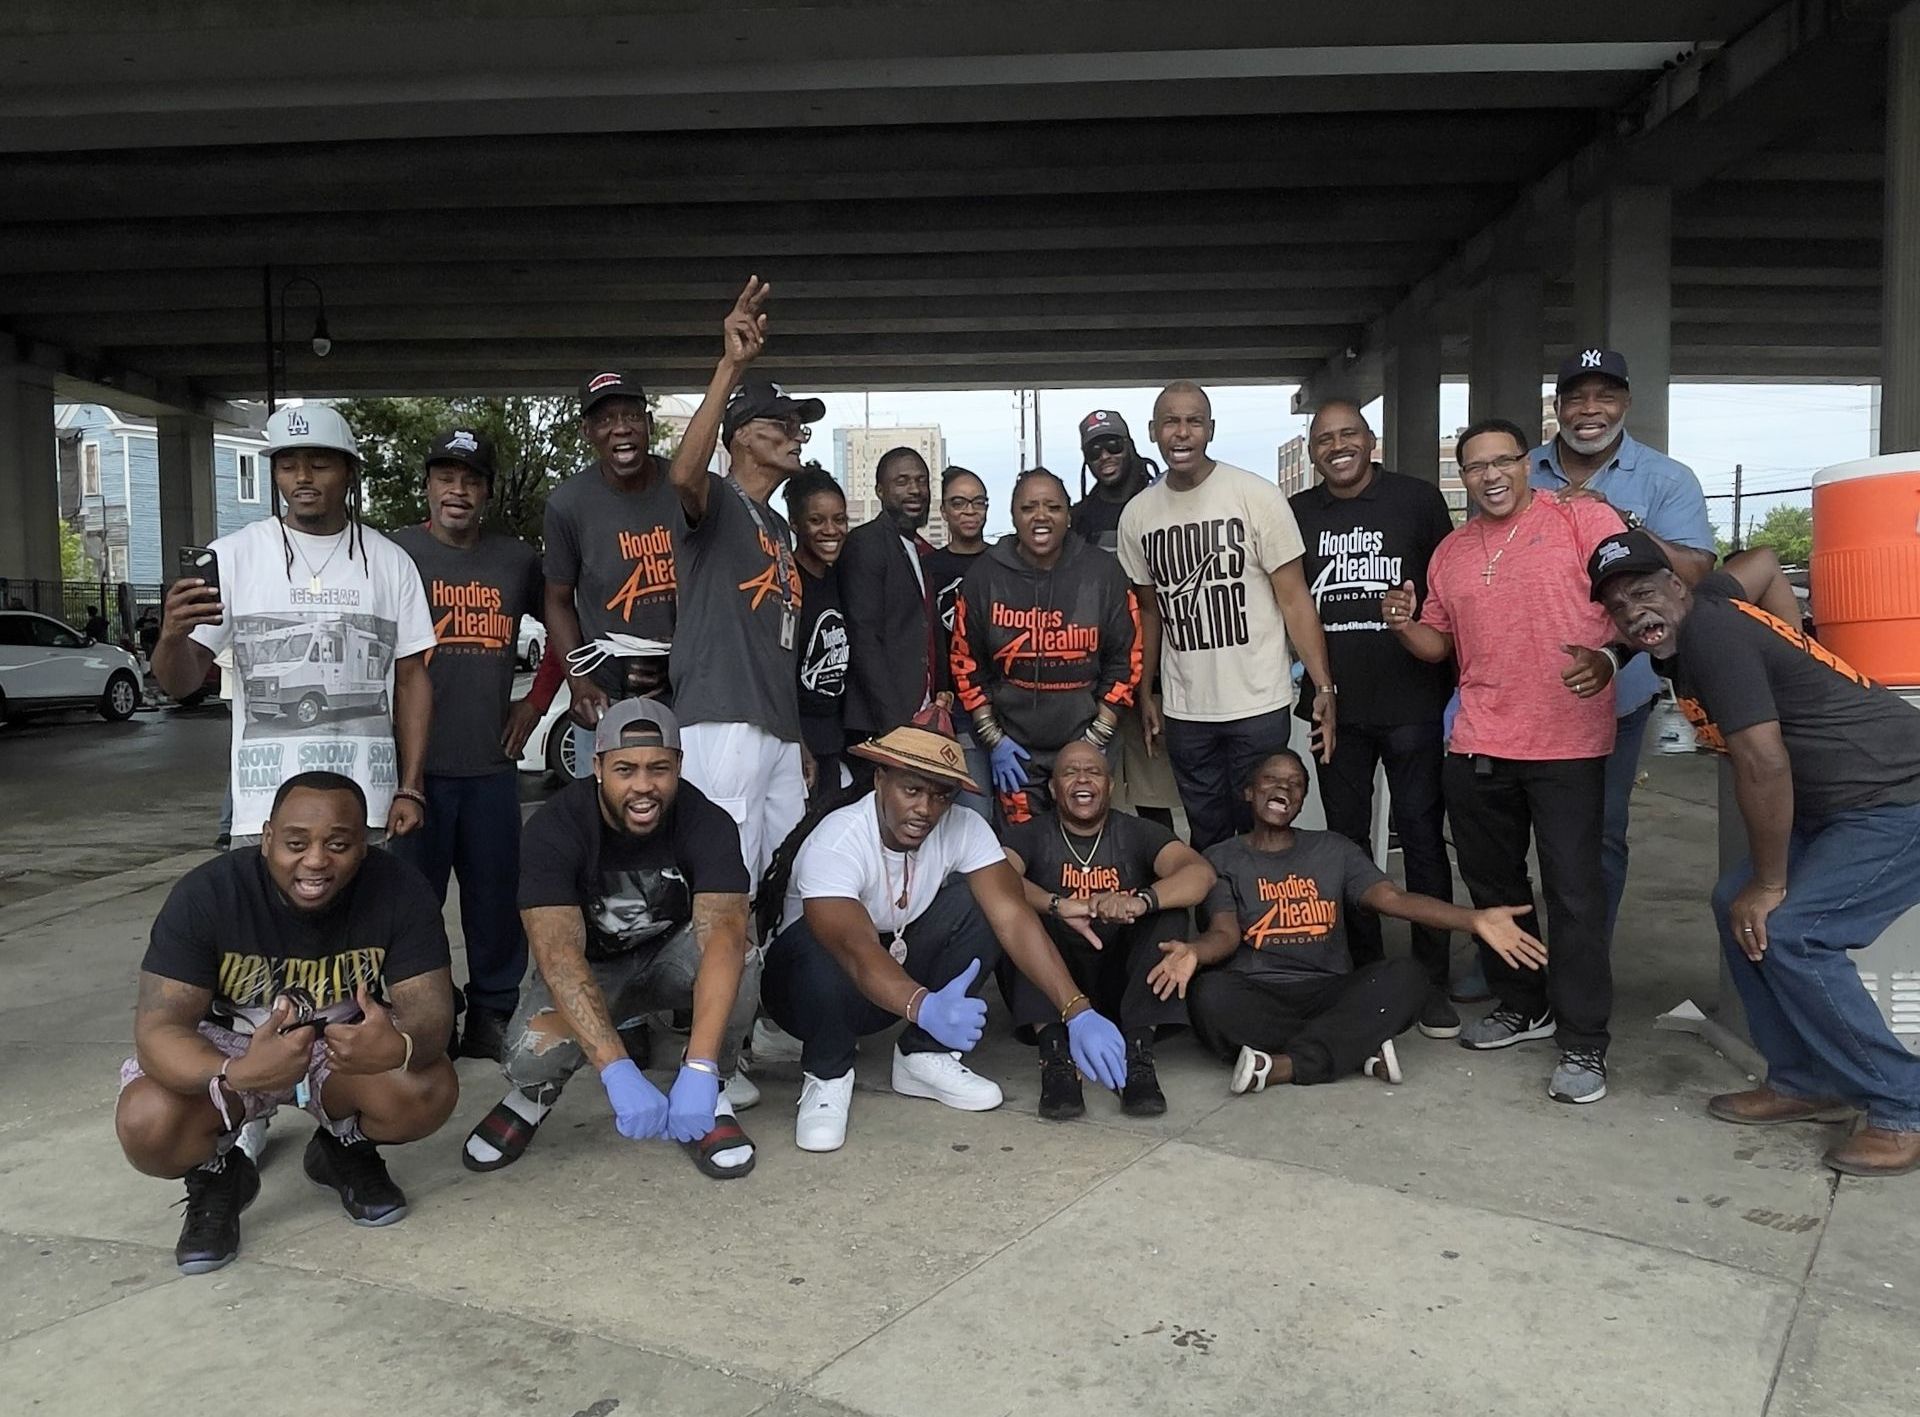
951,1015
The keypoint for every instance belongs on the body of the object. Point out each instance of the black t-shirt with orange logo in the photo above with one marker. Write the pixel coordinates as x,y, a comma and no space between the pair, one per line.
615,548
1852,743
477,595
1119,858
1291,906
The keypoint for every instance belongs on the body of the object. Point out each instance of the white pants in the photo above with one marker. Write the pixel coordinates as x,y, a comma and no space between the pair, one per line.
754,777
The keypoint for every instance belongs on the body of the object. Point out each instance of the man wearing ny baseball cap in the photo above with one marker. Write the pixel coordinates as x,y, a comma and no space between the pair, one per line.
635,900
1593,455
1826,770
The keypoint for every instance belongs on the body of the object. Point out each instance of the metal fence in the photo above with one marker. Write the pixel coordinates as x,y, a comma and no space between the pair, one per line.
122,603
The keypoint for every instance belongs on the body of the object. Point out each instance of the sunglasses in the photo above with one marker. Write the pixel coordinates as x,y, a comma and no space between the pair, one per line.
1106,448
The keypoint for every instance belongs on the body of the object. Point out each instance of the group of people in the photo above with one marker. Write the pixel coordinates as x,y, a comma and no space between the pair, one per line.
837,780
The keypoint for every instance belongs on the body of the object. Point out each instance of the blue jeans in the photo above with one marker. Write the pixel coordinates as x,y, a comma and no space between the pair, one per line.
1848,878
472,830
1623,766
1212,763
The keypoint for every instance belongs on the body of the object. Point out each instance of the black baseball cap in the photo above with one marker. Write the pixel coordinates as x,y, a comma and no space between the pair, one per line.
758,398
609,384
466,447
1592,360
1625,553
1103,423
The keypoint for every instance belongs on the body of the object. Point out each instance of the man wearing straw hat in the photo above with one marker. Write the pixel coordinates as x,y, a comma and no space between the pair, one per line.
896,907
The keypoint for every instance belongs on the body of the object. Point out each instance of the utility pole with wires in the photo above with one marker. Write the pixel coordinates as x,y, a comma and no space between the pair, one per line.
1738,540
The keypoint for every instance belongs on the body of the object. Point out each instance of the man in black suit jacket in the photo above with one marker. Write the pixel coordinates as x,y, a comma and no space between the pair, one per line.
892,661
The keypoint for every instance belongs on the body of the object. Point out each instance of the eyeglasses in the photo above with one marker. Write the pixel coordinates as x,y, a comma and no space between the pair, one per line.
1106,448
966,504
791,426
1499,464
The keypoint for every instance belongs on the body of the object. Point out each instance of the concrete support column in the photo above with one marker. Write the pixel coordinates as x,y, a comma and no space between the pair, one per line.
1623,295
189,515
1900,258
29,477
1507,357
1410,439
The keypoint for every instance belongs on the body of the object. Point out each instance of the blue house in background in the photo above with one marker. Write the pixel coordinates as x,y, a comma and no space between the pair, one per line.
110,487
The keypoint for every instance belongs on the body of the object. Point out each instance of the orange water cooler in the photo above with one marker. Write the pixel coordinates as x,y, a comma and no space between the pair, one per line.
1866,565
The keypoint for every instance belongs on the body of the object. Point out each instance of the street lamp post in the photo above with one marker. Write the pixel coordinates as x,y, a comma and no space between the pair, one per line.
321,343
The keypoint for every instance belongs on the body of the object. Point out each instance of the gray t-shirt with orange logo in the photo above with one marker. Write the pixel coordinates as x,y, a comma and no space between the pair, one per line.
615,548
1291,906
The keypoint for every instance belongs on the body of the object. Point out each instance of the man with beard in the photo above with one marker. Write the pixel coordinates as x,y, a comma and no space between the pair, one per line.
1119,473
634,897
1366,530
735,665
1593,455
1114,892
609,555
310,971
1826,770
478,584
892,617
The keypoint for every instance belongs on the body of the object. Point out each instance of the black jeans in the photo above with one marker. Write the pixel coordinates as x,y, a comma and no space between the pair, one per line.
1212,763
1329,1027
1559,805
809,995
1412,753
1114,977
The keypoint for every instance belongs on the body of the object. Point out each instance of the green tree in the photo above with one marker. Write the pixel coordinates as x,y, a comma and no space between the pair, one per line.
75,563
536,443
1789,531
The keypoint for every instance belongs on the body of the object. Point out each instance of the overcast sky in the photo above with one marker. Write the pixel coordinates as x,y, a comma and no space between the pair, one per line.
1782,433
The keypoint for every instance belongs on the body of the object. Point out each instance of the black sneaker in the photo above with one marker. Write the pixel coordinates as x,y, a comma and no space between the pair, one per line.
1142,1097
359,1176
1060,1099
486,1034
1438,1017
210,1235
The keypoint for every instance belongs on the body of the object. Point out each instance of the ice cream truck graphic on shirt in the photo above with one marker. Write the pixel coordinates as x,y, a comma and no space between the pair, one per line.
318,666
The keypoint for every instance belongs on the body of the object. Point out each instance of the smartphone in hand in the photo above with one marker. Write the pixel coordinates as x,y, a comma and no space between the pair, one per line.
200,563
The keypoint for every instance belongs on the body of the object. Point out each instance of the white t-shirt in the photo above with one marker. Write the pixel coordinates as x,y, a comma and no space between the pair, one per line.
843,859
1208,553
313,668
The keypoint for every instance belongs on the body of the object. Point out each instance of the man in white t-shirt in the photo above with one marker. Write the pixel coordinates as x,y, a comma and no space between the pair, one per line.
1214,555
329,629
898,908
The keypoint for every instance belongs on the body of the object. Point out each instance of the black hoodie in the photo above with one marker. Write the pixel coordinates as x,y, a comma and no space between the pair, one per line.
1045,648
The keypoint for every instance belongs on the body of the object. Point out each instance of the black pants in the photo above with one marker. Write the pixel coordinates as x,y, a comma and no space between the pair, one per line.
1412,753
1329,1027
1114,977
1212,764
1560,806
814,999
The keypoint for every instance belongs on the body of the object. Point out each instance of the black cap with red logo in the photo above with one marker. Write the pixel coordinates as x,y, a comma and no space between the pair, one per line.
609,385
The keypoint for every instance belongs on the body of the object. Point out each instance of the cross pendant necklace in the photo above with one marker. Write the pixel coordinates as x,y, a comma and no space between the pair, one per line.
1486,576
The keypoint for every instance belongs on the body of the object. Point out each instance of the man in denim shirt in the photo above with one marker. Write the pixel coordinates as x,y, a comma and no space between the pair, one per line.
1593,454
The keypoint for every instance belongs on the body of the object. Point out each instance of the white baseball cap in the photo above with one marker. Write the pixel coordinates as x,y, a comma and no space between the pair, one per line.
310,426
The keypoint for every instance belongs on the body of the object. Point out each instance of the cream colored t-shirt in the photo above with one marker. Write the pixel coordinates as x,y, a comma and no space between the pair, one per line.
1208,553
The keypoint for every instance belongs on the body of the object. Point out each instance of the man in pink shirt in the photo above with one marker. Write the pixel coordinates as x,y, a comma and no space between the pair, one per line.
1507,597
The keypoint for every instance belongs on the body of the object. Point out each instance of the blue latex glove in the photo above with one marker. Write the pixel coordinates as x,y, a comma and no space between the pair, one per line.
1009,765
690,1105
639,1108
1098,1049
955,1019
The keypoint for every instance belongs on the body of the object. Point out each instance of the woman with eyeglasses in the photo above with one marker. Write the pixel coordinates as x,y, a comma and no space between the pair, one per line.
1509,599
963,507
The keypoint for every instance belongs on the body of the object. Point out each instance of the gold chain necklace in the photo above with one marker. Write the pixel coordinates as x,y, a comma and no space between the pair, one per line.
1486,576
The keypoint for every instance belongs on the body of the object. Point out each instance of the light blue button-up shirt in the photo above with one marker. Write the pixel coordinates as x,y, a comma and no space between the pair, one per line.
1665,495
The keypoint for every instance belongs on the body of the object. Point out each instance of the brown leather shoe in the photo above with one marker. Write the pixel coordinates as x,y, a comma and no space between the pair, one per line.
1763,1107
1875,1151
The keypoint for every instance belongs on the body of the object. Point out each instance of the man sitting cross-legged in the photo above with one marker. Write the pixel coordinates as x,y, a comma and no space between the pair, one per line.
1270,986
311,971
634,898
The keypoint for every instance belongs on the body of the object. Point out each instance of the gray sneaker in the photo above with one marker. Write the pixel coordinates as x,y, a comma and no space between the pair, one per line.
1505,1027
1581,1076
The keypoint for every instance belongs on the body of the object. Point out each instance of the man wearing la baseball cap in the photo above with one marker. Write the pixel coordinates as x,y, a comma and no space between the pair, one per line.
635,898
1826,769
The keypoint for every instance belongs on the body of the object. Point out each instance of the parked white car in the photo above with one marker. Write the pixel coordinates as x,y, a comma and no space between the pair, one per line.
549,747
45,664
531,643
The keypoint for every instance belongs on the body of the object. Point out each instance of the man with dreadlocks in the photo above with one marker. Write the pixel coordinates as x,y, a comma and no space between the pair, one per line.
329,629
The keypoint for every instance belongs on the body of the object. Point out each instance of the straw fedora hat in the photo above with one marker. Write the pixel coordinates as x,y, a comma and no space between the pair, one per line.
926,745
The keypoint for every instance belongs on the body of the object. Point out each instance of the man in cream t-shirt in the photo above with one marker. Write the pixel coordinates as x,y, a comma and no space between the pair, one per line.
1214,555
329,629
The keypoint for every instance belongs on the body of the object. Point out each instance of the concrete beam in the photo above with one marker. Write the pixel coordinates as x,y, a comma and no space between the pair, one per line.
1623,295
189,508
1508,350
1900,325
1410,433
29,481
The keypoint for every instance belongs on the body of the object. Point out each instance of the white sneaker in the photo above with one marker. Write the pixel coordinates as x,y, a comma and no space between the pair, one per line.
773,1044
741,1090
824,1103
1384,1065
944,1078
253,1139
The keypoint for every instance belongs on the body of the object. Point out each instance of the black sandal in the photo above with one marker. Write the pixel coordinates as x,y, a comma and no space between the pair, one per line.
507,1132
725,1135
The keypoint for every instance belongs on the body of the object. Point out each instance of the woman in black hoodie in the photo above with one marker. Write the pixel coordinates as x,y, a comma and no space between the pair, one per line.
1045,646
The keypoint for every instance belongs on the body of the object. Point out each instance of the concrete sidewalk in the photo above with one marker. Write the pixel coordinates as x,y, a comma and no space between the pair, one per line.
1456,1244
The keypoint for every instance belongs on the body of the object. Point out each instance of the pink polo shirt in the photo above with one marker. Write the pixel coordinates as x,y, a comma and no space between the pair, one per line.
1508,630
